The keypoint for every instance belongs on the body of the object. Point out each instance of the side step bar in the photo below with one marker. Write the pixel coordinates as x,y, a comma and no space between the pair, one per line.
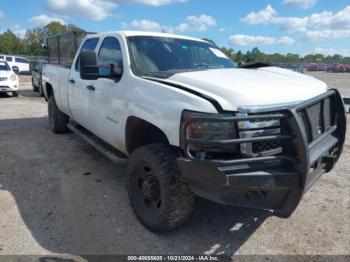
110,152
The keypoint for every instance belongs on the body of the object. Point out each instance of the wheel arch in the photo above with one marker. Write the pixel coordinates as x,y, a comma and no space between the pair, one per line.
48,91
139,132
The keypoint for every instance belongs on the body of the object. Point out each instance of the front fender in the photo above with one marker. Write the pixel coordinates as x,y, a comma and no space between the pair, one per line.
162,106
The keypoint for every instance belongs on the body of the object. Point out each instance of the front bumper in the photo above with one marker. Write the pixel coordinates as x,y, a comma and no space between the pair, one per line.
278,182
8,86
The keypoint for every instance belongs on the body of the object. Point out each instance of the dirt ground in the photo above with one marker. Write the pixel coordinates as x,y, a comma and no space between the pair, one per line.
60,196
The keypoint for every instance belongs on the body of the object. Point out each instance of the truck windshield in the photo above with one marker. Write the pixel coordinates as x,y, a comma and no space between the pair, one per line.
4,67
164,57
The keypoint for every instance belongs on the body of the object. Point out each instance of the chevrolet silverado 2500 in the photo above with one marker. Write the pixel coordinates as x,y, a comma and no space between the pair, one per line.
191,123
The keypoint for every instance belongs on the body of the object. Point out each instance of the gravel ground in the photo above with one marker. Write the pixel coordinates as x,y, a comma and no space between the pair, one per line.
59,196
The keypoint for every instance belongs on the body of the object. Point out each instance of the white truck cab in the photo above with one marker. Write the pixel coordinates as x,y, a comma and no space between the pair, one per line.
192,123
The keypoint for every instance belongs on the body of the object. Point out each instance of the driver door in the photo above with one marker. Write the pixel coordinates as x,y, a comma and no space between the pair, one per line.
106,100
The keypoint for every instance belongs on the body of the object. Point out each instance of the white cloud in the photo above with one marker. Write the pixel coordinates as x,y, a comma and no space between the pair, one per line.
150,2
285,40
96,9
90,9
193,23
200,23
183,27
311,26
43,20
260,17
249,40
2,14
320,35
144,25
304,4
331,51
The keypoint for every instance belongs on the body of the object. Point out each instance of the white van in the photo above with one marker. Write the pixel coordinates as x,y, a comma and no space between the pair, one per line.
21,62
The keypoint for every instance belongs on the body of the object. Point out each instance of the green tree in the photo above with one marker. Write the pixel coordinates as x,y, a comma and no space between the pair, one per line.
240,58
230,53
11,44
210,41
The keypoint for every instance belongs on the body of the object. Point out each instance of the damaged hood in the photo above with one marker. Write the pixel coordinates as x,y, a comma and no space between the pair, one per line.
239,88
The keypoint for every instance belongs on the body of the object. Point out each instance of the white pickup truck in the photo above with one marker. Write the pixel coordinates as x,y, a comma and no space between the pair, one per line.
191,123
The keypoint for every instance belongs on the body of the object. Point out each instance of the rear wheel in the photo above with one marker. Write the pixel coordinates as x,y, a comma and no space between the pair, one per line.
35,88
41,91
57,119
160,199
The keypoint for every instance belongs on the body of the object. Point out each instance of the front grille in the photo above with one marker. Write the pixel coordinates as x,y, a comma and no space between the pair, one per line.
258,128
3,78
266,146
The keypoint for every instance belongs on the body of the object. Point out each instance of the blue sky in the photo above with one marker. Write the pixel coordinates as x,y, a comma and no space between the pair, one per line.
299,26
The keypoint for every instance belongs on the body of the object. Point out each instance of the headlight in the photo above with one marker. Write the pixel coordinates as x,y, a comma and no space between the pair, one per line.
210,131
208,127
13,77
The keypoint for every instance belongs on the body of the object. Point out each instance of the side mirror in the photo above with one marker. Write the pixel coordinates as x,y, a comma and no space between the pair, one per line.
116,71
88,66
15,69
110,71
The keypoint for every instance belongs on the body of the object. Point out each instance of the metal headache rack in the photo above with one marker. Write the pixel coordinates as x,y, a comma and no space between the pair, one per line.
62,48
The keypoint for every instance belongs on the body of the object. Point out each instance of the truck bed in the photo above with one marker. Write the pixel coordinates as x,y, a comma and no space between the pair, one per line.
57,77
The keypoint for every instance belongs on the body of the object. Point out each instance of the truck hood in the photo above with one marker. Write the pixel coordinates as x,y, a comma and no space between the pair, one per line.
238,88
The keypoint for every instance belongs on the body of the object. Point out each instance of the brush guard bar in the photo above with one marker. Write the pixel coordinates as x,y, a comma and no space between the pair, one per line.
312,138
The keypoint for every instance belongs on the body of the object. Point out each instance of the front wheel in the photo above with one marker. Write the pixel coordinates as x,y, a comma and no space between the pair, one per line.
15,94
57,119
160,199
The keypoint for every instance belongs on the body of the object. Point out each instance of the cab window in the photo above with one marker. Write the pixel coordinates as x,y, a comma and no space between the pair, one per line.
21,60
89,45
8,58
110,53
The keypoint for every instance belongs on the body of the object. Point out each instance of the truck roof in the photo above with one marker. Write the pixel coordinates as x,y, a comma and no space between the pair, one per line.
144,33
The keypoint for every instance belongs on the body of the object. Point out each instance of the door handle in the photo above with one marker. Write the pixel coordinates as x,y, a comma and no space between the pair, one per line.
91,88
72,81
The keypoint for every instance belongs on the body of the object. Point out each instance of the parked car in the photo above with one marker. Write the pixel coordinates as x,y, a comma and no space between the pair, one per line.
336,68
323,67
340,68
192,124
8,79
313,68
37,77
20,62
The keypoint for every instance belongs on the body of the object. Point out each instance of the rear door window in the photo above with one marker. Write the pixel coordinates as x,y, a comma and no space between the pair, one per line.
89,45
21,60
8,58
4,66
